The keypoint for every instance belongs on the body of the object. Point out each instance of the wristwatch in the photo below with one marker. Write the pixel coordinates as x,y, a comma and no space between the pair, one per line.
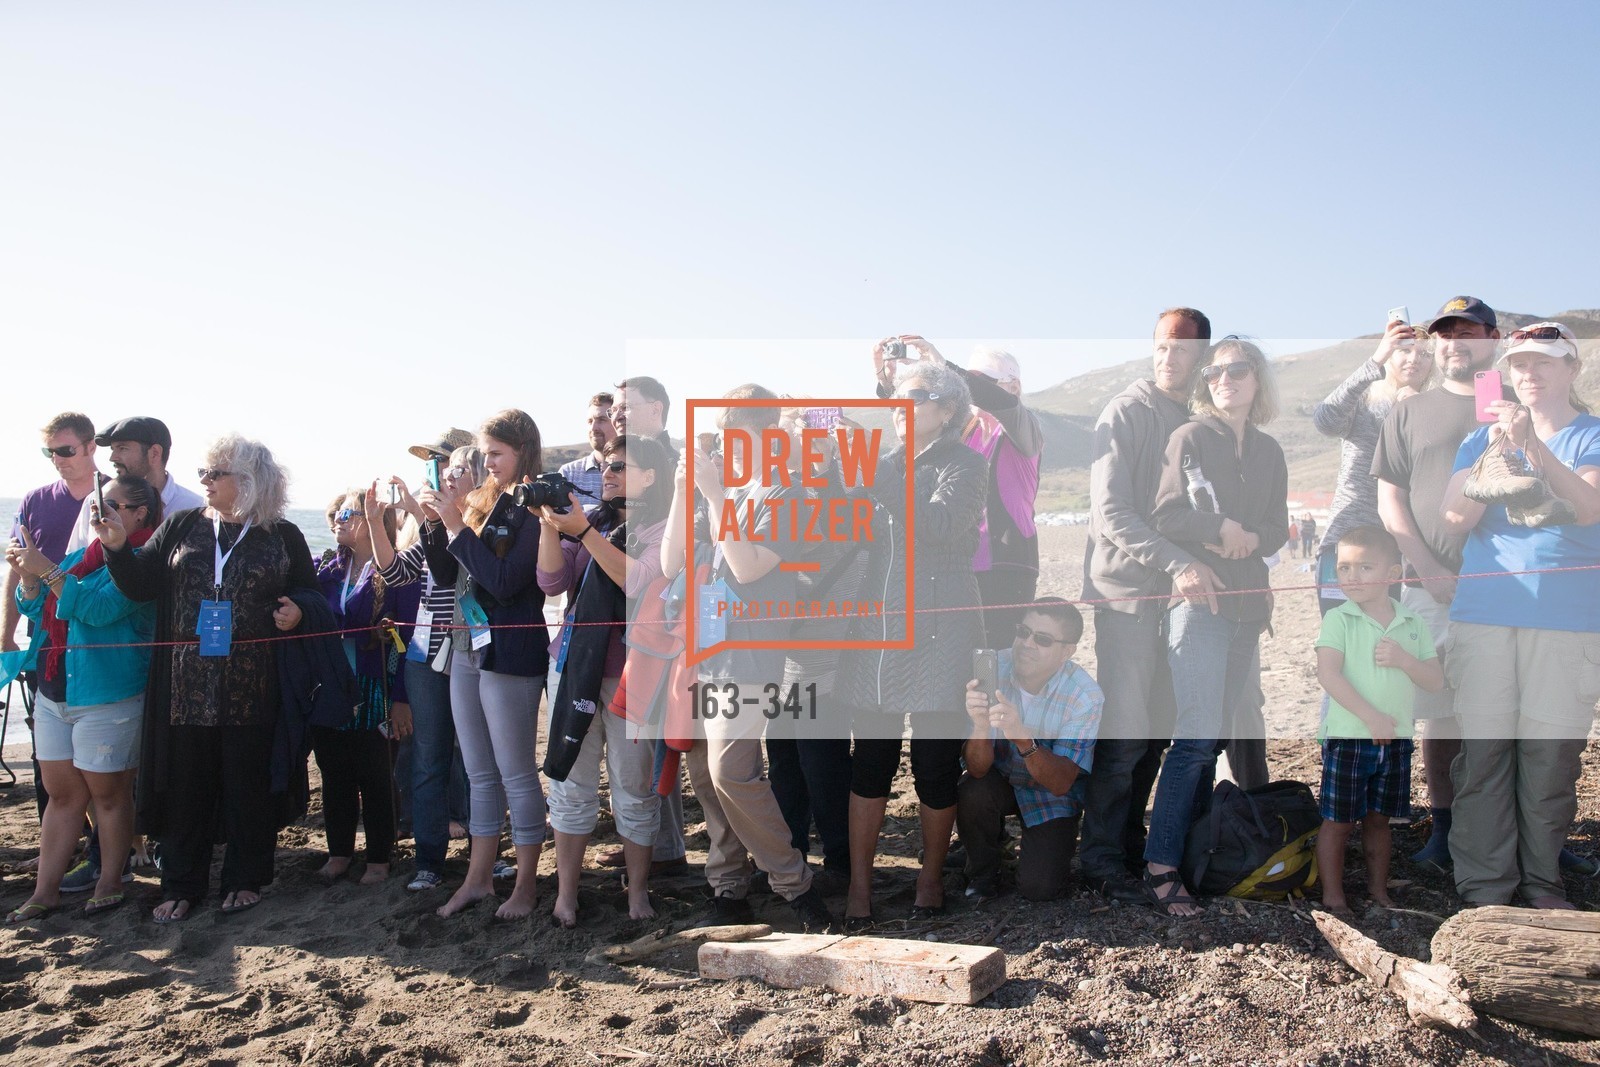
1024,755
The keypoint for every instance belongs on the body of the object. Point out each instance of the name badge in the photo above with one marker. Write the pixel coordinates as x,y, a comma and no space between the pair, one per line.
477,621
215,627
417,651
712,625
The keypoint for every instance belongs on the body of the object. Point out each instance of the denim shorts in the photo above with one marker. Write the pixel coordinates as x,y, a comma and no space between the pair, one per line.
100,738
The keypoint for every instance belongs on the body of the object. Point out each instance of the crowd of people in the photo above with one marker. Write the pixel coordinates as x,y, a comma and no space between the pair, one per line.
188,655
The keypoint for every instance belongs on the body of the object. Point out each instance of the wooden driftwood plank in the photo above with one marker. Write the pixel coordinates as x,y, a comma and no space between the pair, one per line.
913,970
660,941
1434,994
1534,966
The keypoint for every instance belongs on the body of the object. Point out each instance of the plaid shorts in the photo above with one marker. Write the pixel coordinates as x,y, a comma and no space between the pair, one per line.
1359,776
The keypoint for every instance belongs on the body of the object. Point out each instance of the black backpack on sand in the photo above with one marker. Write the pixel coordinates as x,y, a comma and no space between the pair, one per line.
1259,844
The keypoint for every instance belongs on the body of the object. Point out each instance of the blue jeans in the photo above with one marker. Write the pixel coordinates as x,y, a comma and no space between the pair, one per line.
1213,660
433,755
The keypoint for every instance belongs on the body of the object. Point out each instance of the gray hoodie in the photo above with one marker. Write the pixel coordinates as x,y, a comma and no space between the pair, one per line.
1125,556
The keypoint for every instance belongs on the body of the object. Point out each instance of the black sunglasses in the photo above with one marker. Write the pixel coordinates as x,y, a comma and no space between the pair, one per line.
1039,638
64,451
1236,370
919,396
617,466
212,473
1538,333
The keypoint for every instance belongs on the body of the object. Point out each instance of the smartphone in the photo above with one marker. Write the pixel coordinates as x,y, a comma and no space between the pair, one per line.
1402,314
99,498
394,493
708,442
986,670
433,467
1486,389
822,418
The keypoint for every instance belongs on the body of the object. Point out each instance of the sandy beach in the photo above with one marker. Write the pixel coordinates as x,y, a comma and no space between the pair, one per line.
351,975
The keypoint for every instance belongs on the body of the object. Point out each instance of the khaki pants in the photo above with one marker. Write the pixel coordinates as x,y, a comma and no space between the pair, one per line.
743,819
1526,702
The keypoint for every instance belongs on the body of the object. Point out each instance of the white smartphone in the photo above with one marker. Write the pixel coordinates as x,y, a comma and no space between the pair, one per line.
1402,314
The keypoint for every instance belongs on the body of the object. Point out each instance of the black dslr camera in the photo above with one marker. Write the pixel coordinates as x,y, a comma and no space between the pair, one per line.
548,489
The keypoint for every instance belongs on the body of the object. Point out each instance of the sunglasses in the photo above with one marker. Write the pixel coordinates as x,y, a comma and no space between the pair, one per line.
1238,371
617,466
344,515
212,473
114,506
919,396
1039,638
64,451
1540,333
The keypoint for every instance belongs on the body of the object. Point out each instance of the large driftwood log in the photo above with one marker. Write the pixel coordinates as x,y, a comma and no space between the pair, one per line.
661,941
1534,966
937,973
1433,994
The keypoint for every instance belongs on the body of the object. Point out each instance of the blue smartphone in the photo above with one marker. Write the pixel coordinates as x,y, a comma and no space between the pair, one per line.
432,468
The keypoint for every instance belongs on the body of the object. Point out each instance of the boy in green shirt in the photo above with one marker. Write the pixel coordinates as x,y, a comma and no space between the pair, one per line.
1372,655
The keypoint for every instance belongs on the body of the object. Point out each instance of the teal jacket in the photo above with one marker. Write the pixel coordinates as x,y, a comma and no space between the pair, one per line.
96,613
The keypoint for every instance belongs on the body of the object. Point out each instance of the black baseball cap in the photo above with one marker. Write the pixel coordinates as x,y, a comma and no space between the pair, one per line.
141,428
1465,307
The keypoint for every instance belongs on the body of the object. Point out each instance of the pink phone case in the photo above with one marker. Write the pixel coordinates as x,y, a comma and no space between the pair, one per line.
1486,389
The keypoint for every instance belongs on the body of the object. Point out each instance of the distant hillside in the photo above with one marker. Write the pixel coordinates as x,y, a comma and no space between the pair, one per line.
1068,410
1304,379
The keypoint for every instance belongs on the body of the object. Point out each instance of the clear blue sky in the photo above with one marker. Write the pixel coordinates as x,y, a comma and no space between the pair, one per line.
338,227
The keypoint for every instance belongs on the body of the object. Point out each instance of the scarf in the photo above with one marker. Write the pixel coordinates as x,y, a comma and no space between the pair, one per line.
55,627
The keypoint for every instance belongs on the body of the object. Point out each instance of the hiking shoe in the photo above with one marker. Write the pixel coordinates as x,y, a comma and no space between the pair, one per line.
423,881
725,910
1116,887
815,918
82,878
1582,866
1435,855
982,889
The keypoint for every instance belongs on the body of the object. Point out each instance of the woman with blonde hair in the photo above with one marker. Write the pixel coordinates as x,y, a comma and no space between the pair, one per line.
226,571
488,548
1354,414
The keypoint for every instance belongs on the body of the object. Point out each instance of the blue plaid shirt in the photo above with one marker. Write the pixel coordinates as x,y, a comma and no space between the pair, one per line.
585,474
1065,718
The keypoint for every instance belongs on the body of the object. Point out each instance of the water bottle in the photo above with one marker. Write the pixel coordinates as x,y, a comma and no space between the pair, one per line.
1201,494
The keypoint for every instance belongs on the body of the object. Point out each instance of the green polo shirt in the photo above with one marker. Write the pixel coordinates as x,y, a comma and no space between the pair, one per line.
1389,689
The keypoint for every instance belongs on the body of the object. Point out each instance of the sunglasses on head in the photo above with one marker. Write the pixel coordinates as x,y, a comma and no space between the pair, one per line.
918,396
212,473
1039,638
64,451
1237,370
1538,333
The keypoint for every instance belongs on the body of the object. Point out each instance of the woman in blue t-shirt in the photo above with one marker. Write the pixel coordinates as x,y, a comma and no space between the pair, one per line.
1525,661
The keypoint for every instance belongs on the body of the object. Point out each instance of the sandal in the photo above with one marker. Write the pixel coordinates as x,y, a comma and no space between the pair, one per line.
98,904
29,912
175,916
240,905
1163,902
923,912
855,924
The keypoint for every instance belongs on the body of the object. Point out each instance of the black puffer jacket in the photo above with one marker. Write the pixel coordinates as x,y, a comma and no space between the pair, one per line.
951,484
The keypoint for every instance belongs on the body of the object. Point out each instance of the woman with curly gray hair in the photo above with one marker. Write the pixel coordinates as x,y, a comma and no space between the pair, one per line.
949,486
212,707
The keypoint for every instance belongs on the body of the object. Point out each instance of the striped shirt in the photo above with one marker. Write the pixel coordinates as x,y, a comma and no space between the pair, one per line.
411,565
585,474
1347,415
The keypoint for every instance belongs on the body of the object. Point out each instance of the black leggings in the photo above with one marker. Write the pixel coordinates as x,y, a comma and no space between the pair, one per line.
356,782
226,771
935,763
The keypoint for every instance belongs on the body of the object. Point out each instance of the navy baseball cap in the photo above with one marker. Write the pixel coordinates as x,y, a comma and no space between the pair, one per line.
141,428
1465,307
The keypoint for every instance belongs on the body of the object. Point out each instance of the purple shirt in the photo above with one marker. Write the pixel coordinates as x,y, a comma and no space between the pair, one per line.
1017,475
50,512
